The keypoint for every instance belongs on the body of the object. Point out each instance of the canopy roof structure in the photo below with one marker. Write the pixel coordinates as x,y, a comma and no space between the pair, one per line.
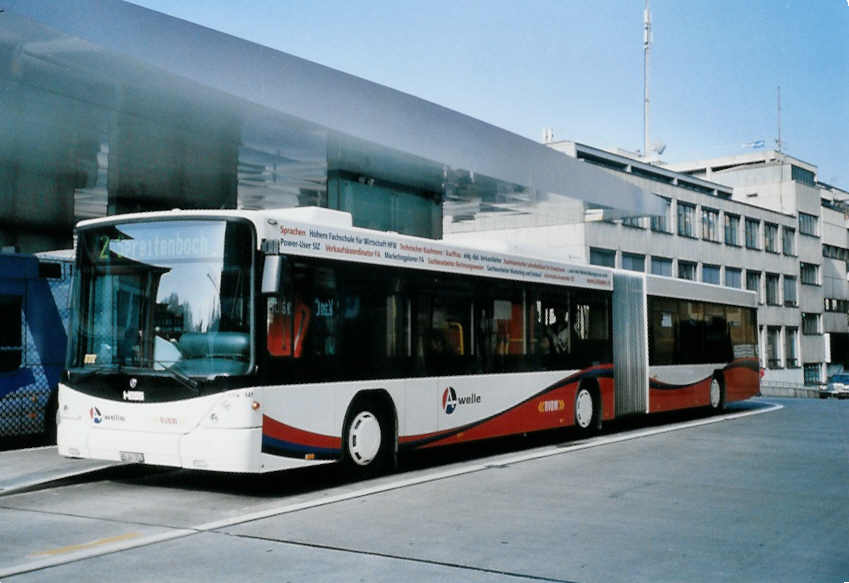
127,104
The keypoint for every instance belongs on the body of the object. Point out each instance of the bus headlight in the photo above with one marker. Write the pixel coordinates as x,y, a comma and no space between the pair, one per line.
233,413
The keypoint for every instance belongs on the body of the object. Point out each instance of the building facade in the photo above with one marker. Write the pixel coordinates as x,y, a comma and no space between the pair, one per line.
789,185
776,244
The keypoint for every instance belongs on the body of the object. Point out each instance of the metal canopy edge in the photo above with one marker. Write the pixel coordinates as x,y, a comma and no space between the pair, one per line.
334,100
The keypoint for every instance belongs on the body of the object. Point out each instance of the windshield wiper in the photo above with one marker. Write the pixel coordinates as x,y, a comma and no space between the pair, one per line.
183,379
100,370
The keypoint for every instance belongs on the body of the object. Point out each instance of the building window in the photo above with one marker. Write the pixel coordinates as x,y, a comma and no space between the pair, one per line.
661,224
835,305
384,206
732,230
11,339
809,273
753,228
710,273
661,266
753,283
810,323
791,336
686,270
788,240
773,341
790,298
733,277
833,252
807,224
771,237
801,175
812,373
686,220
605,257
772,289
633,261
635,222
710,224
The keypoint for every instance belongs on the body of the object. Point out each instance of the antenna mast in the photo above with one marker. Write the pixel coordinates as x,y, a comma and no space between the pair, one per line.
778,143
647,39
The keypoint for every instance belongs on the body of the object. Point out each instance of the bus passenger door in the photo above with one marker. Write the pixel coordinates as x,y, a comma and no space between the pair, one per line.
447,351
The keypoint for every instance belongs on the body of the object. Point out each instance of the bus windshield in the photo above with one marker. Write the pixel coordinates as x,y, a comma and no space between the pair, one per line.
164,296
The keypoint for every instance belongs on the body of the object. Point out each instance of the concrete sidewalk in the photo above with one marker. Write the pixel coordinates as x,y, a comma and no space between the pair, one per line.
25,468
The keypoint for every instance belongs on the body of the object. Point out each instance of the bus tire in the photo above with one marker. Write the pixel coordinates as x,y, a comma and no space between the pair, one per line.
587,407
717,392
368,444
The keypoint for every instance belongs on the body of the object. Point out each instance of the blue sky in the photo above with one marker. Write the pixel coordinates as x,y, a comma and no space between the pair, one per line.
576,65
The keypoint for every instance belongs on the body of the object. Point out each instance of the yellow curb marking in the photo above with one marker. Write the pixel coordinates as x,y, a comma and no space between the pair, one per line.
88,545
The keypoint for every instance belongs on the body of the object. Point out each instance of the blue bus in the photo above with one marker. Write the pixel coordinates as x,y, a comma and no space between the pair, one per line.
34,312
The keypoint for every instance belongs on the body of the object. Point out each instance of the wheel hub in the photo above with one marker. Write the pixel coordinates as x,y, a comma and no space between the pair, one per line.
364,438
583,409
714,393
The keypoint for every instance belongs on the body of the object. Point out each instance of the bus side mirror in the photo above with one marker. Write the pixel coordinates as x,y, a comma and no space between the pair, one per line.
272,269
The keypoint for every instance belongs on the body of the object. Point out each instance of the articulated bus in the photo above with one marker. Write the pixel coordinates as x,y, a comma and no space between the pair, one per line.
35,291
253,341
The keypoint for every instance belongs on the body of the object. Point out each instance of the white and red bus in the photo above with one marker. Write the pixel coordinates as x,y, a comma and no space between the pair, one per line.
252,341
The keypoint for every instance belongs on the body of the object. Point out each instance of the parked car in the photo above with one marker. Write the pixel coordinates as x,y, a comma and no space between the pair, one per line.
837,387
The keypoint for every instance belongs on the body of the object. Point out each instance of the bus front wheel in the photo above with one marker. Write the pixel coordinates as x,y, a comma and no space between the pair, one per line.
367,440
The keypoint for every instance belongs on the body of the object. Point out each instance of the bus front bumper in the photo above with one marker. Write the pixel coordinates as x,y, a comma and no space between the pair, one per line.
226,450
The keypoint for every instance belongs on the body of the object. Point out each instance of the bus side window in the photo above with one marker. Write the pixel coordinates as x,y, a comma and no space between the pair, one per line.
287,326
288,318
553,331
717,336
742,328
663,327
691,332
318,286
591,328
502,343
444,342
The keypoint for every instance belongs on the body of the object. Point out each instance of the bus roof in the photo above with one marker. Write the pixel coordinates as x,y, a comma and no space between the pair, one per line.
328,233
690,290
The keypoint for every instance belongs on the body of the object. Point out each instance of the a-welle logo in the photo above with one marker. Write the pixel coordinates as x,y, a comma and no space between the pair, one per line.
450,401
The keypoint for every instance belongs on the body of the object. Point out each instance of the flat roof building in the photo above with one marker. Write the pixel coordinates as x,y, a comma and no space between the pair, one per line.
785,183
710,232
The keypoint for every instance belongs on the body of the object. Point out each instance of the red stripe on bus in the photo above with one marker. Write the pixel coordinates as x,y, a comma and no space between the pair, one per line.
742,380
277,430
551,408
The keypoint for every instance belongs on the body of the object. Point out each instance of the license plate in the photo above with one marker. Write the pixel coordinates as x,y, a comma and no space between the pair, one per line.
132,457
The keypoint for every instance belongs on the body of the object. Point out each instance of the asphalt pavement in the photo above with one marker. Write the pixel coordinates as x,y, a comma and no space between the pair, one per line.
763,497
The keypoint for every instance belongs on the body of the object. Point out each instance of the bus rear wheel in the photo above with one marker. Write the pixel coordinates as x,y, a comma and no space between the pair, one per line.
717,393
367,440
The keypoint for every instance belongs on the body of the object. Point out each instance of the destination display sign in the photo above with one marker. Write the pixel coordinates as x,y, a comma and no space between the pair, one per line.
323,241
165,241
